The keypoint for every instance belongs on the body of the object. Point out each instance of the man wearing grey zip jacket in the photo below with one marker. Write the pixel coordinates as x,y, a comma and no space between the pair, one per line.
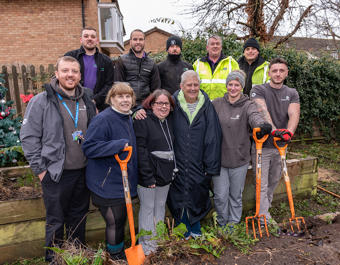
51,136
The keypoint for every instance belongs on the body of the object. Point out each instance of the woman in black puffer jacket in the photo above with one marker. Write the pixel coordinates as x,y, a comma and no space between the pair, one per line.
156,162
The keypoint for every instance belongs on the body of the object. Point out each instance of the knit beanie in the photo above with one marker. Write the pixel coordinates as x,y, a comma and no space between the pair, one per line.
173,40
238,75
251,43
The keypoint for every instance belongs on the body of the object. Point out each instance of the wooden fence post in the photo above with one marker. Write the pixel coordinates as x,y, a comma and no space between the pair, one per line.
24,79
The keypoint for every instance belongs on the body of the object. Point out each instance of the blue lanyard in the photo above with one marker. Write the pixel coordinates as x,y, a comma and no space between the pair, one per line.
69,112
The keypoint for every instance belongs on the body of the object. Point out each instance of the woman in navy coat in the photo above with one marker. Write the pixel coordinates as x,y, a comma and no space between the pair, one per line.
108,134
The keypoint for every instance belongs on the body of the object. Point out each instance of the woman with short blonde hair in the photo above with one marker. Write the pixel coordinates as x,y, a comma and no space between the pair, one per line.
108,134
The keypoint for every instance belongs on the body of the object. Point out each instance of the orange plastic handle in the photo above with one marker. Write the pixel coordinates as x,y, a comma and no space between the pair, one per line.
123,163
259,142
282,150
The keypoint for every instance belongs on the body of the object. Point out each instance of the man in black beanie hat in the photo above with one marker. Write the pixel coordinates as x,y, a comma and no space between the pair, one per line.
252,63
171,69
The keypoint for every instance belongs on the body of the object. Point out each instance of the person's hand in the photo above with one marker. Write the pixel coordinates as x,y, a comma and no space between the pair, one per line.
152,186
284,134
126,145
140,114
266,128
42,175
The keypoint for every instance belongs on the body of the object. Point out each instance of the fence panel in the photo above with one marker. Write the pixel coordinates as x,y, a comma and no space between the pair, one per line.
24,79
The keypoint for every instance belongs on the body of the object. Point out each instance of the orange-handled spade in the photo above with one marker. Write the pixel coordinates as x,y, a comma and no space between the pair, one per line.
134,254
282,151
259,143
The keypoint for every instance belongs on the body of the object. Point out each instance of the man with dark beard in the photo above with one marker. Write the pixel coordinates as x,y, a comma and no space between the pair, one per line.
137,68
171,70
96,68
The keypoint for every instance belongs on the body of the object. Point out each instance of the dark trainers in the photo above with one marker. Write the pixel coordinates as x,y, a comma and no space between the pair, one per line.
118,256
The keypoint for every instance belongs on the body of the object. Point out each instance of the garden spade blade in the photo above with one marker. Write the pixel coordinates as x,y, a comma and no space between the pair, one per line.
134,254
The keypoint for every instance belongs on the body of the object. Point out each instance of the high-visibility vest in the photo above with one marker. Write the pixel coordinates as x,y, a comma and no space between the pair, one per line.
260,75
214,84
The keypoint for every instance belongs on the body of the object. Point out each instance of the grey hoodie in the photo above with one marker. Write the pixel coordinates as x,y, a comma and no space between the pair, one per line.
237,121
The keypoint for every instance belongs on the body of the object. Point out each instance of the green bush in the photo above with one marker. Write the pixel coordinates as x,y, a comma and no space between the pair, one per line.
316,80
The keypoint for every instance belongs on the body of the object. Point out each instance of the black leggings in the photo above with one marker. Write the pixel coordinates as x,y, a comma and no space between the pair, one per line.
115,217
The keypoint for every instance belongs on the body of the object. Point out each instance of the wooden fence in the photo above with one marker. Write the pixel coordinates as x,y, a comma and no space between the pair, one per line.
24,79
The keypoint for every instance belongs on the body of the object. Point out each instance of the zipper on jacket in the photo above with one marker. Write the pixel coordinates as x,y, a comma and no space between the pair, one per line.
108,173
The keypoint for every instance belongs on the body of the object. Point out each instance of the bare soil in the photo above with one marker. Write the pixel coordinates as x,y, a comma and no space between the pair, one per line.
319,244
16,189
328,175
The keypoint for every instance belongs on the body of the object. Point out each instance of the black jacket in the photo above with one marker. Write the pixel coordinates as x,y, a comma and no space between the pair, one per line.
198,157
170,72
141,73
105,71
249,70
150,137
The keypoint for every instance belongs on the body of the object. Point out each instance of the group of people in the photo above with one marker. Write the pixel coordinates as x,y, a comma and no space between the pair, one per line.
189,127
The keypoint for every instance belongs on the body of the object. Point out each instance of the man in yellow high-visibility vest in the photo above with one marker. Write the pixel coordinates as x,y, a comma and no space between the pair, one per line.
214,68
252,63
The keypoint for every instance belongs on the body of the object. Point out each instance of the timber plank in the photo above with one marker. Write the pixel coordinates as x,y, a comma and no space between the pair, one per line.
35,248
30,249
21,232
15,171
21,210
29,230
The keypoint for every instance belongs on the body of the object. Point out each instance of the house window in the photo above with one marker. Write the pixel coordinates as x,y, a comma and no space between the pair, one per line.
110,24
335,55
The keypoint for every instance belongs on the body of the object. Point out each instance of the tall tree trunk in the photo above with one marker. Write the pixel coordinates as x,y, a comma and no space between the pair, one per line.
257,27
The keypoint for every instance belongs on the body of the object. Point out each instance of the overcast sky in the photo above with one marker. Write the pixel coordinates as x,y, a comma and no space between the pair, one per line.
137,14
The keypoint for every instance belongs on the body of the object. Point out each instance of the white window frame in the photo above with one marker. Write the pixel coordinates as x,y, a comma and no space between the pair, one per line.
118,30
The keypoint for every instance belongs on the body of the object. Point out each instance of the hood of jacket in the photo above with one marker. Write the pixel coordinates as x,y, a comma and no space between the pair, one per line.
79,90
240,102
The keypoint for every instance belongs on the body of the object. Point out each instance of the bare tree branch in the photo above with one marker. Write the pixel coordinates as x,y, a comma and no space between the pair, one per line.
297,26
283,7
265,19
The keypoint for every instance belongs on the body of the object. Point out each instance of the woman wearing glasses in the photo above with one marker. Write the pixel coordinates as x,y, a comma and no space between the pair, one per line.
156,162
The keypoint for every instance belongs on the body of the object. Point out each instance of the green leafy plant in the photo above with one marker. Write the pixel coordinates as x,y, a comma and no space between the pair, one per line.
70,259
28,179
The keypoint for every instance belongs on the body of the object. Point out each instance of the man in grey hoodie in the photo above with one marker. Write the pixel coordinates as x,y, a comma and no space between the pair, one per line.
51,136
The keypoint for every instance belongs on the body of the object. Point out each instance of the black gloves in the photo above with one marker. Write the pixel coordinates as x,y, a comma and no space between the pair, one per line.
266,128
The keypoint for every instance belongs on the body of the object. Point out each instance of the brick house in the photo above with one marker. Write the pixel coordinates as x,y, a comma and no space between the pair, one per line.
155,41
38,32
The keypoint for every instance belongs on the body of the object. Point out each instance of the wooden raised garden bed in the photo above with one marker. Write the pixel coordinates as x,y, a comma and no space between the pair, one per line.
22,224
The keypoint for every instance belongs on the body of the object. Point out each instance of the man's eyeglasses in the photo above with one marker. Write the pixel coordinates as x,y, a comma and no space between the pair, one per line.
166,104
